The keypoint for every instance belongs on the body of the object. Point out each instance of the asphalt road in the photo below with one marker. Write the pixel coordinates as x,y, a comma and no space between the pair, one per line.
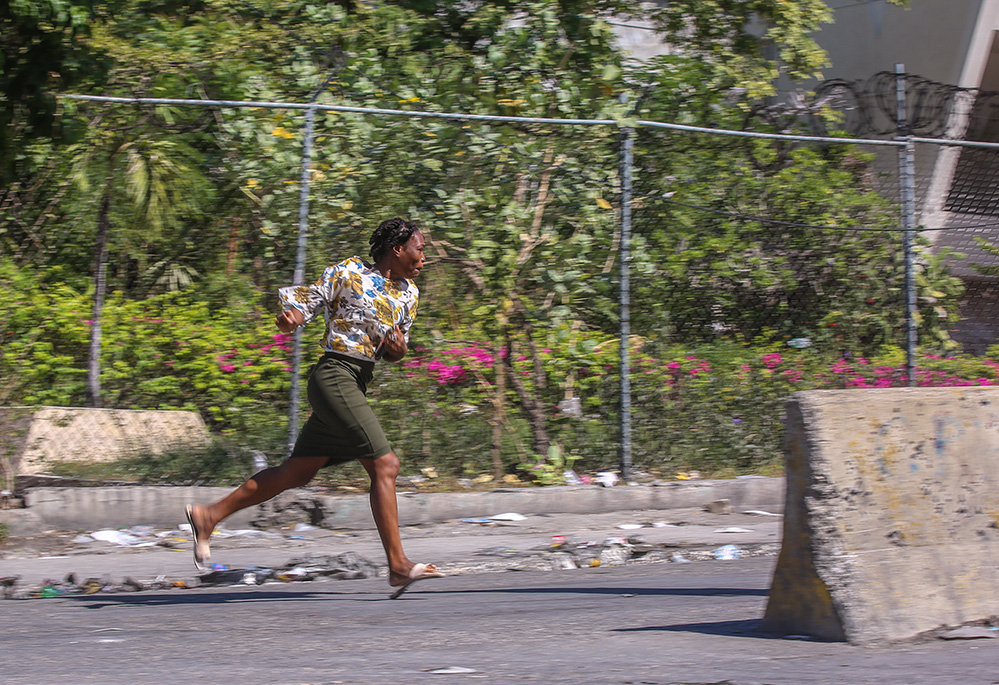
641,623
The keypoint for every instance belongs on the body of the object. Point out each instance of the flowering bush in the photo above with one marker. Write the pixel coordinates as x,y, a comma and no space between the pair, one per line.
167,352
712,407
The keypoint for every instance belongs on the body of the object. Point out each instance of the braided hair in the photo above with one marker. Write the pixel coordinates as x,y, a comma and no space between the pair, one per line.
389,234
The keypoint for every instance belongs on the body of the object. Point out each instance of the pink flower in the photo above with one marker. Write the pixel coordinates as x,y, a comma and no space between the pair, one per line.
772,360
840,366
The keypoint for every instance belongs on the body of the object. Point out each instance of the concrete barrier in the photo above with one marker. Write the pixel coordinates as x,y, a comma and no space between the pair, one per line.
891,523
87,508
31,438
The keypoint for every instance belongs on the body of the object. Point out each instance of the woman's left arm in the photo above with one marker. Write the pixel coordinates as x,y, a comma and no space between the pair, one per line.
395,345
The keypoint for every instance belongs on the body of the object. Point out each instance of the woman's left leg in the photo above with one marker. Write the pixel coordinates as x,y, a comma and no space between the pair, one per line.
383,471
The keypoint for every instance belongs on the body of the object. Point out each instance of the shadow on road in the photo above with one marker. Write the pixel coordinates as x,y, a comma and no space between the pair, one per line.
743,628
186,597
659,591
195,597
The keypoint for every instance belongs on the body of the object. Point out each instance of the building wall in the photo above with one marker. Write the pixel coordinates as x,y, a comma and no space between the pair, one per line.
931,38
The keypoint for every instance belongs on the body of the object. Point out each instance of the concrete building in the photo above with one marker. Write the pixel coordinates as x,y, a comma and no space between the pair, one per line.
950,43
949,49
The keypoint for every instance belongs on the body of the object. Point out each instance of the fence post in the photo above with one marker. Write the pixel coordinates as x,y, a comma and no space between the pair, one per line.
299,277
907,192
627,155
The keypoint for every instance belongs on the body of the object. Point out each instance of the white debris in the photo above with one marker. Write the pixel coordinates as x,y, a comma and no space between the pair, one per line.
509,516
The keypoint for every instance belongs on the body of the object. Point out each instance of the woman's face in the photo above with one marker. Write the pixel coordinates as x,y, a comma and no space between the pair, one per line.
409,256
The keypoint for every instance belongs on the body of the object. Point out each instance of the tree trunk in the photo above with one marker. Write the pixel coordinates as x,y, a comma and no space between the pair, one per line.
93,398
533,407
499,404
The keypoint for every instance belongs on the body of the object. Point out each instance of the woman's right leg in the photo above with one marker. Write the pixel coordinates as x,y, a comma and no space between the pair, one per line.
292,473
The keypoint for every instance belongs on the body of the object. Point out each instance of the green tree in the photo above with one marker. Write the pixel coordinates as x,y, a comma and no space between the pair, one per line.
157,180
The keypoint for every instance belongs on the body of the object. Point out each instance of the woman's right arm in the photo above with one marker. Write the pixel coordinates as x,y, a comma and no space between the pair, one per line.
302,303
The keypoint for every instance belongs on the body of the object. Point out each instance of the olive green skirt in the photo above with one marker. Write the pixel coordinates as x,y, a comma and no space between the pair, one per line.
342,426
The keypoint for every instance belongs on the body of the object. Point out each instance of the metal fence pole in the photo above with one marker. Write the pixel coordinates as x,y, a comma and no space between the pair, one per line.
907,193
299,277
627,157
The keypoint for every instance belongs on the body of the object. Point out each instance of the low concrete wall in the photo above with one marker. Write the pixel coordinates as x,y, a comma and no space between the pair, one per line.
33,437
101,507
891,524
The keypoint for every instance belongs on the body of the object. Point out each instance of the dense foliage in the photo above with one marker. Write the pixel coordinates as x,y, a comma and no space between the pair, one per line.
144,244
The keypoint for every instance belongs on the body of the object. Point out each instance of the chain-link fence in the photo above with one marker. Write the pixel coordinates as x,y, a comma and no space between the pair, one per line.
955,188
739,264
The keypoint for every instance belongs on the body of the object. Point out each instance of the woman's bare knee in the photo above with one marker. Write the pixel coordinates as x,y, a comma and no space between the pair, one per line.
384,467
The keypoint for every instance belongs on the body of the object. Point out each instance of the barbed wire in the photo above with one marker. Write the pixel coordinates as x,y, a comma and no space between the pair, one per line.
934,109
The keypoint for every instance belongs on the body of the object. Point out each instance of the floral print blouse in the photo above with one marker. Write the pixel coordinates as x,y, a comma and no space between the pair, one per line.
359,305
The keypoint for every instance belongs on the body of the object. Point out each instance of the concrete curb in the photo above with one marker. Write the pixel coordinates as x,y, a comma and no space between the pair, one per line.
160,506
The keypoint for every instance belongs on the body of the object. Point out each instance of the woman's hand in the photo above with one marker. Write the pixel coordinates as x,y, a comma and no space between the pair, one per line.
288,320
394,345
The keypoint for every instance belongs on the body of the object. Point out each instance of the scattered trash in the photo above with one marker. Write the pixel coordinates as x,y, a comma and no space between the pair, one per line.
571,478
499,552
726,553
244,533
451,670
510,516
558,540
120,537
799,343
616,555
733,529
719,506
303,527
132,585
7,584
968,633
678,558
630,526
572,406
344,566
663,524
476,520
757,512
606,478
688,475
563,561
83,540
297,573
